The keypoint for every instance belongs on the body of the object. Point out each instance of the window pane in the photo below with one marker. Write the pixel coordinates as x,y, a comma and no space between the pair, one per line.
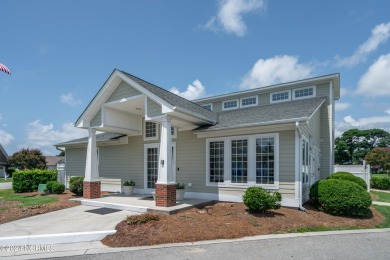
265,160
152,164
280,96
230,104
248,101
306,92
216,153
239,161
150,129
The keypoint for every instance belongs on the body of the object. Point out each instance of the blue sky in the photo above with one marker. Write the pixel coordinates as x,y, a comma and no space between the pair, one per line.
61,52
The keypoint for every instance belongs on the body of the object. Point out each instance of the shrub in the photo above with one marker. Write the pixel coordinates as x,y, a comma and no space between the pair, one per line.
258,199
349,177
76,185
27,181
341,198
55,187
382,183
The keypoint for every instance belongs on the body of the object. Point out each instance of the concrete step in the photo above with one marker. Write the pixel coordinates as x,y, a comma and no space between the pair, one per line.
111,205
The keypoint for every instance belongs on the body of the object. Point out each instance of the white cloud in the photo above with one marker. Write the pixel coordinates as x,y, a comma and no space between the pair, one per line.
230,15
381,122
275,70
388,111
70,100
44,137
379,35
193,91
5,138
342,106
376,80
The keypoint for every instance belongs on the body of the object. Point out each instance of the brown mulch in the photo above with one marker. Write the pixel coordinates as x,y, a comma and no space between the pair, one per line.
227,221
14,210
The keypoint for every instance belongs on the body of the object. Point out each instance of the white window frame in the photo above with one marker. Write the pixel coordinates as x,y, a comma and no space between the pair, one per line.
252,105
283,100
150,138
297,89
251,161
305,162
174,135
231,108
209,104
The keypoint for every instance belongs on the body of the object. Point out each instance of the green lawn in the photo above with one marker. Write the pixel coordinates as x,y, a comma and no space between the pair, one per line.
8,180
26,199
385,211
382,196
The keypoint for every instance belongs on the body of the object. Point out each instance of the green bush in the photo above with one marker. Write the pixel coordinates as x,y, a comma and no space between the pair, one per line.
76,185
27,181
349,177
55,187
382,183
341,198
258,199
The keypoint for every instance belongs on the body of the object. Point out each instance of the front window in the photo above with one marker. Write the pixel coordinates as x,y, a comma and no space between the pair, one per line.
239,161
150,130
265,160
216,150
152,167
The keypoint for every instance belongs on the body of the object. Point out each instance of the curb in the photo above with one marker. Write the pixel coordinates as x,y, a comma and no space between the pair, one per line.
61,238
110,205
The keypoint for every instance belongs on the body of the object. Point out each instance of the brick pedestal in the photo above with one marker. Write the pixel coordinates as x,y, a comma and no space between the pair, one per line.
165,195
91,190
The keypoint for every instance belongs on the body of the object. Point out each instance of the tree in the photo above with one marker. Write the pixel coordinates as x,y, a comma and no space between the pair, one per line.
27,159
354,144
379,157
62,153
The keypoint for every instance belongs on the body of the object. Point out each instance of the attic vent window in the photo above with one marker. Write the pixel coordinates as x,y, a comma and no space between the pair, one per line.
249,101
307,92
230,104
280,96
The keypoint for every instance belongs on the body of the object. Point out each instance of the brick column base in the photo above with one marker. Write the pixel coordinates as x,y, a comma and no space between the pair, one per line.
91,190
165,195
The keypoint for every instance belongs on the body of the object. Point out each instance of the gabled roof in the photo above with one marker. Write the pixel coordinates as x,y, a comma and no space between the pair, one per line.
2,150
99,138
53,160
284,112
173,99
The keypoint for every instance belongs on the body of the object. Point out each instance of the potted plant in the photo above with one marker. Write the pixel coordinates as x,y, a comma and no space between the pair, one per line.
180,190
128,187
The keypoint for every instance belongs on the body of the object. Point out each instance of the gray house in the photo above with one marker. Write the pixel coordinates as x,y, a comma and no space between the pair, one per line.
278,137
3,161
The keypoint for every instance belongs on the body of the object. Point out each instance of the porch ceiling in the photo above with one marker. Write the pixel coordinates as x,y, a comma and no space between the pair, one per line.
134,106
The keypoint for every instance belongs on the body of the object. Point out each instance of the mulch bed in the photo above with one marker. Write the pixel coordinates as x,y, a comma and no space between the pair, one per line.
16,213
227,221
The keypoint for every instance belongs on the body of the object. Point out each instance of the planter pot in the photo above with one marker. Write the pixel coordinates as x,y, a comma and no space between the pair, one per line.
128,190
154,195
180,194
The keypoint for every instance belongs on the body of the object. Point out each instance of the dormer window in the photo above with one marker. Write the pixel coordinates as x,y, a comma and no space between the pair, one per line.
301,93
249,101
230,104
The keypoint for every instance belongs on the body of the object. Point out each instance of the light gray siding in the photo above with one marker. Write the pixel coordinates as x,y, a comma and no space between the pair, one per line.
153,109
287,164
97,119
123,90
75,161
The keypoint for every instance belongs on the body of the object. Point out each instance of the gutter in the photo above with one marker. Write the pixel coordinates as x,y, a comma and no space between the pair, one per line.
300,207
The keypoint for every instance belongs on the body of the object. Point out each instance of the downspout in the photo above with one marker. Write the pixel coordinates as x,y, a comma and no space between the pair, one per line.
300,207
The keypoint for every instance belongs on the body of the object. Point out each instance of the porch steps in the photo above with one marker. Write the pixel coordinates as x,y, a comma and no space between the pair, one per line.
111,205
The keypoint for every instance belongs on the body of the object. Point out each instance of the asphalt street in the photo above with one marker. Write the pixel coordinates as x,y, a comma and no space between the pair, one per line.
346,246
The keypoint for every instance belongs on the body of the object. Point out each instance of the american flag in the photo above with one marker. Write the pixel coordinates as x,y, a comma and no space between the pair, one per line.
4,69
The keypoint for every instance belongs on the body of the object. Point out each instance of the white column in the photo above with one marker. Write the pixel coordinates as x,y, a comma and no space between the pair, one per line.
91,167
165,171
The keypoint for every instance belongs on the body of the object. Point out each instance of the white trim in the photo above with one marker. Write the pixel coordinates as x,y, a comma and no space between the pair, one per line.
331,130
308,87
144,131
230,108
251,161
251,105
146,146
297,164
279,92
208,104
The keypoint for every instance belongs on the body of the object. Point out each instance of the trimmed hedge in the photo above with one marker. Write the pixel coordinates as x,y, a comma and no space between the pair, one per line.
349,177
382,183
55,187
27,181
341,198
258,199
76,185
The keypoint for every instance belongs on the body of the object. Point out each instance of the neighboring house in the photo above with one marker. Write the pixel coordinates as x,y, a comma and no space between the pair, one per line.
3,161
53,161
278,137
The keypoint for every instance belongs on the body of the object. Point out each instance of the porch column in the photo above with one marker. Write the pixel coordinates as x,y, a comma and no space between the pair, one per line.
165,186
91,188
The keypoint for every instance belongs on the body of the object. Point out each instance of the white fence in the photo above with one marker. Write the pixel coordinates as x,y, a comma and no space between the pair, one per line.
361,171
